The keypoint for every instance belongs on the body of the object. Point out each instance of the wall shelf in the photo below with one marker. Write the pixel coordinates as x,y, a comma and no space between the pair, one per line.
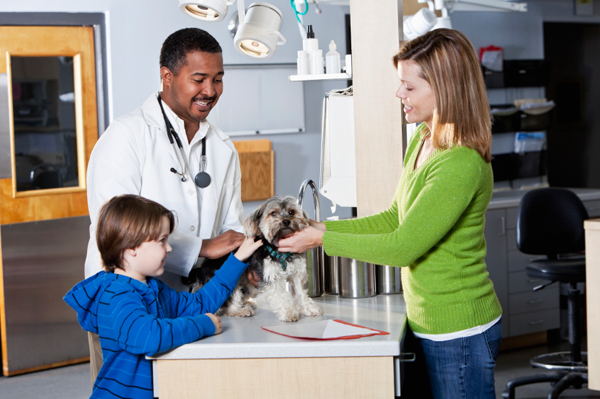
323,76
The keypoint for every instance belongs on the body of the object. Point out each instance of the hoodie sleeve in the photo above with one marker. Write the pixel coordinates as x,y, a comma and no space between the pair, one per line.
213,294
125,320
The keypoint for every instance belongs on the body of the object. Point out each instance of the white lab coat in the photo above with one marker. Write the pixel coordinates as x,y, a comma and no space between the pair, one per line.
134,156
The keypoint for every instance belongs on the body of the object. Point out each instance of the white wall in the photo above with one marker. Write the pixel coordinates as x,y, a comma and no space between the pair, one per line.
136,30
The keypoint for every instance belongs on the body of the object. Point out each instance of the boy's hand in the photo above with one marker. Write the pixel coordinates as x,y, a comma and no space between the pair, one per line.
217,322
247,248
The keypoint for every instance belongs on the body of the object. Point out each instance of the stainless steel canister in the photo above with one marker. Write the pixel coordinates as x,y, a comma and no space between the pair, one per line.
356,279
314,262
388,280
331,267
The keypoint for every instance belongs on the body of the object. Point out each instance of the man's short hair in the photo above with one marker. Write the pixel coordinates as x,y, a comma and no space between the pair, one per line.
176,47
125,222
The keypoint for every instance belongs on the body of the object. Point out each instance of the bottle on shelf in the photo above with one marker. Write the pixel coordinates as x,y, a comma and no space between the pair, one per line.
332,59
303,63
311,46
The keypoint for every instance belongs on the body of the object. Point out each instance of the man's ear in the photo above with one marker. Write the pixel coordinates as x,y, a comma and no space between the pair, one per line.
166,75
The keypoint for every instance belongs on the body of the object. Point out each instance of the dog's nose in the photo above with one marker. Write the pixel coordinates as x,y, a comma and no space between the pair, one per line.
286,223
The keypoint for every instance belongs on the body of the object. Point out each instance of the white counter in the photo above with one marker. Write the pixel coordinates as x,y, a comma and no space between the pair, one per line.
240,359
244,338
511,198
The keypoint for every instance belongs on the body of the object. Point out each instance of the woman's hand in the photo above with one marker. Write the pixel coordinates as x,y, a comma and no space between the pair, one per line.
300,242
247,248
318,225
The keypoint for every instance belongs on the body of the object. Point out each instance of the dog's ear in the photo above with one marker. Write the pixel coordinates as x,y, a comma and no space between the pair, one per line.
252,221
305,214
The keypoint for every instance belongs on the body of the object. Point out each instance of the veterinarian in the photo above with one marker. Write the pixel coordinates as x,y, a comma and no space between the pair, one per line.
435,224
139,154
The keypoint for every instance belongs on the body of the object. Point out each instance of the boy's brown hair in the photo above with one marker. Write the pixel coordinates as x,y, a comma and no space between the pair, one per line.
125,222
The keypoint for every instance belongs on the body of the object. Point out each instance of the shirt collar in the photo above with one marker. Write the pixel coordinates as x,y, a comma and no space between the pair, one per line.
179,126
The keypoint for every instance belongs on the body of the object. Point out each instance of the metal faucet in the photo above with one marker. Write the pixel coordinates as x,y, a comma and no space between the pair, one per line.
315,193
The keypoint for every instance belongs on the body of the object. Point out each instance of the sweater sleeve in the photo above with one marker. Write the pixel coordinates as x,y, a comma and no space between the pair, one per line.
449,187
124,319
213,294
381,223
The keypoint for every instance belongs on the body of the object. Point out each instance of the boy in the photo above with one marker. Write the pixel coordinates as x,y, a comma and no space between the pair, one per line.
135,314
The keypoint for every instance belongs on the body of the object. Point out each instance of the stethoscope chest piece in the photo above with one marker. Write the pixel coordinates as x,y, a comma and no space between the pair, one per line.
202,179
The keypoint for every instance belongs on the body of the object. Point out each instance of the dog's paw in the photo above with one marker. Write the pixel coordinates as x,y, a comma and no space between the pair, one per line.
289,315
252,304
312,310
244,311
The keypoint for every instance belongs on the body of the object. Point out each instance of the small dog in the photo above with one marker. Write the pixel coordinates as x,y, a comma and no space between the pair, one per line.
276,219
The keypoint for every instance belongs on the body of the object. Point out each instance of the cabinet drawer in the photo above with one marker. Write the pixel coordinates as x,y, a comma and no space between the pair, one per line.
525,302
519,282
529,323
511,217
593,208
511,240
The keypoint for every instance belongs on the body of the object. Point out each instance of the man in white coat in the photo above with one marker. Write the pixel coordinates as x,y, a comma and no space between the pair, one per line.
137,155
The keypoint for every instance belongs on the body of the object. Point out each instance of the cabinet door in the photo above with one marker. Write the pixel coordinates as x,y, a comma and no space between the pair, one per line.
497,259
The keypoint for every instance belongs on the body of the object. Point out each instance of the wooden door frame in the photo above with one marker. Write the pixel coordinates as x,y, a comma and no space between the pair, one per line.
98,22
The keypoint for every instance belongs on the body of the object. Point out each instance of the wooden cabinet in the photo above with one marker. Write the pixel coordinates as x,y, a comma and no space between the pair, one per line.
524,311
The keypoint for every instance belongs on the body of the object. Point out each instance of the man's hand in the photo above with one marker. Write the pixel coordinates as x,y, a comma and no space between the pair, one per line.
221,245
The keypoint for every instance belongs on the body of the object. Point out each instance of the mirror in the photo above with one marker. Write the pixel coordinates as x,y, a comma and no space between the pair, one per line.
45,127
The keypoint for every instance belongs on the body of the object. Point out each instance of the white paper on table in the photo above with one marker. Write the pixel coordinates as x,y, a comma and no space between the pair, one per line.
324,330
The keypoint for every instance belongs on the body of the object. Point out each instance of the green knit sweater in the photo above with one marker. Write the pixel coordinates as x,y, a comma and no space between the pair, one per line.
434,227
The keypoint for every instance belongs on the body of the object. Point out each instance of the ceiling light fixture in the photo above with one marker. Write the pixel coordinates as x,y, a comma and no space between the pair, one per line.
258,33
206,10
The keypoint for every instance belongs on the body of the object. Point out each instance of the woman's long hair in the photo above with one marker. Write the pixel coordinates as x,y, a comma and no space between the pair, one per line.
449,64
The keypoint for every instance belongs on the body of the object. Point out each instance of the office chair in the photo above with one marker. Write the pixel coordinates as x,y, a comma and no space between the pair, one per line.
550,222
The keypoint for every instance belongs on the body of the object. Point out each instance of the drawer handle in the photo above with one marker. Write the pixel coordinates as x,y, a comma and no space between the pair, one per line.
533,323
535,258
533,301
408,357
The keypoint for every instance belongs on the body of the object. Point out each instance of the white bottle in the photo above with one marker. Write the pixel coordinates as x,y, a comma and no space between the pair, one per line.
332,59
310,43
303,63
316,62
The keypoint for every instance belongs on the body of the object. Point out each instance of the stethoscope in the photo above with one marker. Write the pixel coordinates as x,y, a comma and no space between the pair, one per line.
202,178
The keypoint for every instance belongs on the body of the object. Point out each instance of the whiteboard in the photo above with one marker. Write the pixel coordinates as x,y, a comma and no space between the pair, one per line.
259,99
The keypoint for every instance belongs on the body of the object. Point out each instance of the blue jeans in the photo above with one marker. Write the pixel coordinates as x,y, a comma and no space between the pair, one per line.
463,367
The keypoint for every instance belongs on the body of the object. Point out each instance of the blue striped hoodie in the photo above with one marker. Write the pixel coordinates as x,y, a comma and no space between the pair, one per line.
135,320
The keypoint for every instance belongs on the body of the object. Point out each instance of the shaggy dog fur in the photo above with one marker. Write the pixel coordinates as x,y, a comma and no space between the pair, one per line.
277,218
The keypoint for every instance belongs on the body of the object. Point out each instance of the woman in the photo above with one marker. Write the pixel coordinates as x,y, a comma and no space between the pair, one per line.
434,227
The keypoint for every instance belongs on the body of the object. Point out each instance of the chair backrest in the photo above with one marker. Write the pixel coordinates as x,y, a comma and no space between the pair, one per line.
550,222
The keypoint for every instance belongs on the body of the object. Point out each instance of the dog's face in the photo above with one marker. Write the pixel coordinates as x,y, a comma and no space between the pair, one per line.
276,219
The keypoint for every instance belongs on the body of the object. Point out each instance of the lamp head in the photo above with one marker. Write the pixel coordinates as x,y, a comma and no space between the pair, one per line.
418,24
258,33
205,10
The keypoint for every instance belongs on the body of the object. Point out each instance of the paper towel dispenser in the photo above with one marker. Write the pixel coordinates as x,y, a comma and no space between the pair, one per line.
338,165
